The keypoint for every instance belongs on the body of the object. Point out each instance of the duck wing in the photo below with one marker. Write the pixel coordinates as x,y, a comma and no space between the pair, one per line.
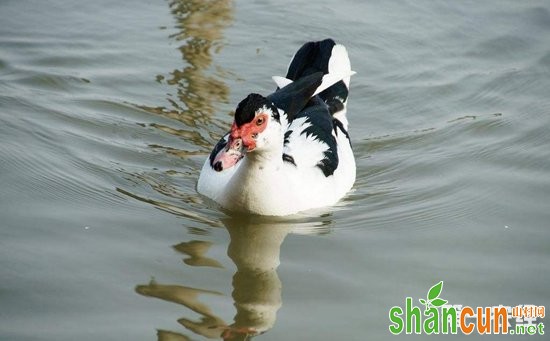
309,141
294,97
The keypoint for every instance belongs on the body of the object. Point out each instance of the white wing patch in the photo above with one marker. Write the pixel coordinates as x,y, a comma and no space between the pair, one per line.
339,63
306,150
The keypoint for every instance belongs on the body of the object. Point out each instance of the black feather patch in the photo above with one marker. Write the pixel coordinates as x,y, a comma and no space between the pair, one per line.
275,113
314,57
335,96
246,110
334,105
338,125
311,57
320,128
295,96
287,136
289,159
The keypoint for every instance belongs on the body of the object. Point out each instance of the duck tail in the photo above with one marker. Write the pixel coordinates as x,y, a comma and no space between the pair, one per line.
332,60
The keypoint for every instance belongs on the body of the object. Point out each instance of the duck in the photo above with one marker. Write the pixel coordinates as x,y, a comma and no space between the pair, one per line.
288,151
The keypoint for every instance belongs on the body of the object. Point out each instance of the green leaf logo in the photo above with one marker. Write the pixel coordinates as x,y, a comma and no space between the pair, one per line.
433,300
435,291
438,302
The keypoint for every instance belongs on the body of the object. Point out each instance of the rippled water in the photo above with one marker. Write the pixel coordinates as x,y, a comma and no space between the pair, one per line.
108,109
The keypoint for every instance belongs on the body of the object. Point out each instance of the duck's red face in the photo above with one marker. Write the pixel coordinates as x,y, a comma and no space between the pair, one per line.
241,139
250,131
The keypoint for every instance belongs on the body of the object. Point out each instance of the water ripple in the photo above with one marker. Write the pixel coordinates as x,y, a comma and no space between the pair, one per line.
427,175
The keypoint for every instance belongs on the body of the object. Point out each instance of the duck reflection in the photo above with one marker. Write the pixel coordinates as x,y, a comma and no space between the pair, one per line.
255,249
199,85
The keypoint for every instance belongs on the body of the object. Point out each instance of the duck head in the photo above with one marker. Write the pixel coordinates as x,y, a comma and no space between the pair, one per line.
257,123
256,129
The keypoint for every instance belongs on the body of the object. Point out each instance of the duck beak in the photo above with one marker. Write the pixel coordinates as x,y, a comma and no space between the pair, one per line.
230,155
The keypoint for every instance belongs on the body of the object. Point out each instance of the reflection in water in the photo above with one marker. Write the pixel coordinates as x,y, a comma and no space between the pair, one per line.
209,325
174,209
199,89
198,84
196,249
254,245
255,249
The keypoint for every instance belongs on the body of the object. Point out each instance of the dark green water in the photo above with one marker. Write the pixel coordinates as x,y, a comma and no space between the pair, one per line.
108,109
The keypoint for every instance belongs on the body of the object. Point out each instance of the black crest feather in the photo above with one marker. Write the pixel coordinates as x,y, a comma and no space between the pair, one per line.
246,110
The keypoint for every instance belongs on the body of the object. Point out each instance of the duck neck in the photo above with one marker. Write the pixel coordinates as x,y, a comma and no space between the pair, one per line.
266,158
258,183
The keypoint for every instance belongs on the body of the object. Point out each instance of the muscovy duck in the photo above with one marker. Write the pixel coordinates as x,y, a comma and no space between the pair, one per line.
289,151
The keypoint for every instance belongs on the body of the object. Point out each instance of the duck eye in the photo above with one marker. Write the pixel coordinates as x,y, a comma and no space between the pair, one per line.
260,121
